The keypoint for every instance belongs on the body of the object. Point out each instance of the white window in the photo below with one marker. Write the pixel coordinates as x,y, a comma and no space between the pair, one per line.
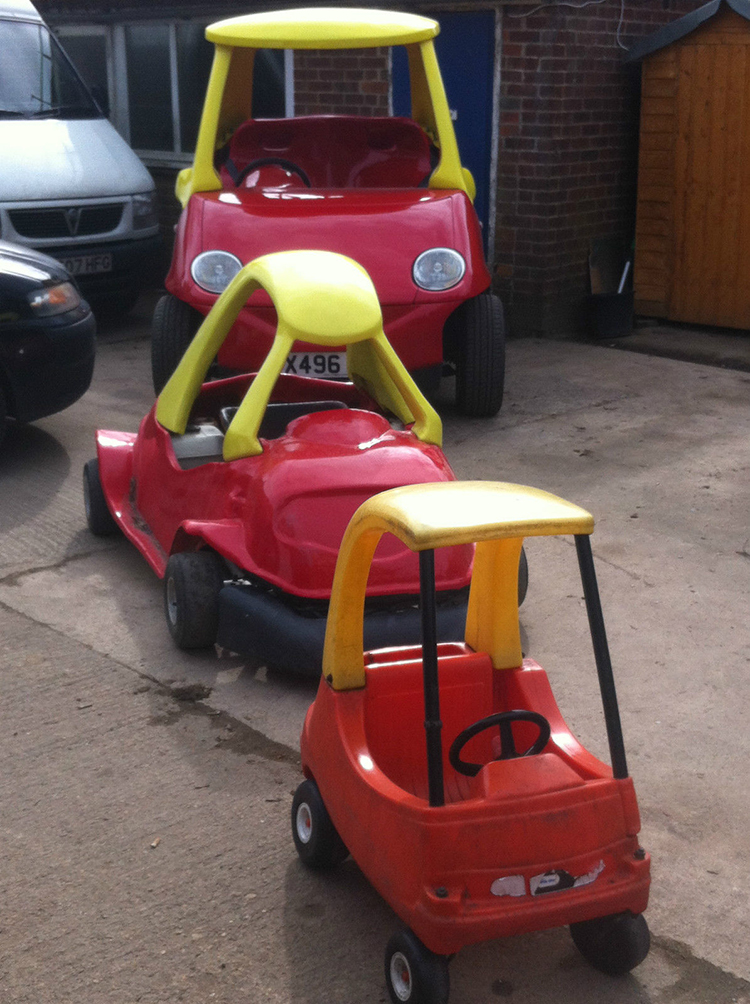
150,78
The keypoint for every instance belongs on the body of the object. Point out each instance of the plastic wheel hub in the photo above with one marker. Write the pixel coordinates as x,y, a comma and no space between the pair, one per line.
401,976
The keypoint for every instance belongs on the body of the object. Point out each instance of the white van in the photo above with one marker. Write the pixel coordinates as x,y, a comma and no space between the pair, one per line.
69,184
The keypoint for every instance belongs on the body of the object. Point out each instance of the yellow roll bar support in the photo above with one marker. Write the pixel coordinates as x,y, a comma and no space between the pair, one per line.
494,515
322,298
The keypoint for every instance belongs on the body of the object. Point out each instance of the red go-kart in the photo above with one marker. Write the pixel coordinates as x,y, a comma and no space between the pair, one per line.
237,492
448,772
388,192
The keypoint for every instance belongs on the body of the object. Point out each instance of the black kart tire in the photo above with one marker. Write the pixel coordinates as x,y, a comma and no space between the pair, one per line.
315,837
478,337
615,944
3,415
414,974
100,520
192,583
172,329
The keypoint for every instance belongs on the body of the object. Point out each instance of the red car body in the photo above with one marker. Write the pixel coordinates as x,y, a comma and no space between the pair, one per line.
526,830
356,223
389,192
238,491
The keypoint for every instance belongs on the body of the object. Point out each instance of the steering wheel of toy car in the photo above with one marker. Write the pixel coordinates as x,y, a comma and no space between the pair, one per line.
508,751
269,162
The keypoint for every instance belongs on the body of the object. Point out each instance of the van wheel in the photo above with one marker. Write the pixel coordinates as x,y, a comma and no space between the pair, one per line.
478,335
192,583
615,944
413,973
100,520
172,329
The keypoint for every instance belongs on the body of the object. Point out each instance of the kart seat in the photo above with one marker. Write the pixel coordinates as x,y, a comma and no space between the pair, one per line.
201,443
279,414
394,715
335,151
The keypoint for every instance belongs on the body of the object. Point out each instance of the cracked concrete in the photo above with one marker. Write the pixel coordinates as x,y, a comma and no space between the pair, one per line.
104,760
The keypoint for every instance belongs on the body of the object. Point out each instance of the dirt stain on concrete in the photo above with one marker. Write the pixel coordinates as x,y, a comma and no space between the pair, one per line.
231,734
700,981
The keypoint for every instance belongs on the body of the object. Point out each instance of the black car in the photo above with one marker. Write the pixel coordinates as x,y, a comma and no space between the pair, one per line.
47,336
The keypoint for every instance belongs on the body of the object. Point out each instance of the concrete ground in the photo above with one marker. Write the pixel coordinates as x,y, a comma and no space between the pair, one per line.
146,852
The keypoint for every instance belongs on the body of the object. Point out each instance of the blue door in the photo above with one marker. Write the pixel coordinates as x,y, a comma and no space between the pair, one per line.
466,52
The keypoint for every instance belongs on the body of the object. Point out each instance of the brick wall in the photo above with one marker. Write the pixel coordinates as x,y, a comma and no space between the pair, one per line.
343,82
567,152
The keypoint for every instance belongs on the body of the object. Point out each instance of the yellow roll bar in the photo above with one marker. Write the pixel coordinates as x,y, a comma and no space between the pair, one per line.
322,298
494,515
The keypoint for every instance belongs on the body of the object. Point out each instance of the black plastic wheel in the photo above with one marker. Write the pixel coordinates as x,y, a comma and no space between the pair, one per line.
614,944
192,583
413,973
478,327
523,577
315,837
172,329
100,520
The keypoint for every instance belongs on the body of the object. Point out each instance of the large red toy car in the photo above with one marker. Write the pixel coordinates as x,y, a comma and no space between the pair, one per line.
388,192
238,491
525,829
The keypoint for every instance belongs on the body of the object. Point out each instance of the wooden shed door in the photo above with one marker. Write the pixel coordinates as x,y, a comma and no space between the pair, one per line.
711,264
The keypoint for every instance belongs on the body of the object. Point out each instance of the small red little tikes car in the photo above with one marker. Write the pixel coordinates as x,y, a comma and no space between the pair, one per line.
238,492
447,771
388,192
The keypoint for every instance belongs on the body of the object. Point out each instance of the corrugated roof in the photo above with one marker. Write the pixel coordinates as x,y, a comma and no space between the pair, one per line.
683,26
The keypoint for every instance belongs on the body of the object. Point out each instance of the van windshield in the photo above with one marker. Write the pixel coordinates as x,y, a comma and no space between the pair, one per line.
39,81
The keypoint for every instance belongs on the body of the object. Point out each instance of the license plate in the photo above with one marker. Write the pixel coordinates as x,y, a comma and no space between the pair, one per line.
328,365
88,264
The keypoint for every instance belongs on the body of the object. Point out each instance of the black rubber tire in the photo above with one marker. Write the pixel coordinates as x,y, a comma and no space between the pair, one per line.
3,415
523,576
413,973
614,944
172,329
100,520
114,305
478,338
192,583
315,837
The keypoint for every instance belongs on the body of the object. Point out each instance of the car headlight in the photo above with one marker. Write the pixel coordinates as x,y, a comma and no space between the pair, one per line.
145,214
438,268
54,299
214,270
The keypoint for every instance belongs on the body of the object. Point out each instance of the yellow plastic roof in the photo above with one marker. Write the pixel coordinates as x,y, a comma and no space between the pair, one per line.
322,28
465,512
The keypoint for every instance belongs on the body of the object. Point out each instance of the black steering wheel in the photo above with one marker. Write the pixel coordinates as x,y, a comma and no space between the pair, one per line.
268,162
508,751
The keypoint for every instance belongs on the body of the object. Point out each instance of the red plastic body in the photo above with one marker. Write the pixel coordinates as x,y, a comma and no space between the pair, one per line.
502,856
281,515
365,203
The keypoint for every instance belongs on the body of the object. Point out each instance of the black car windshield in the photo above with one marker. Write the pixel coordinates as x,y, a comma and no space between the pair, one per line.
37,80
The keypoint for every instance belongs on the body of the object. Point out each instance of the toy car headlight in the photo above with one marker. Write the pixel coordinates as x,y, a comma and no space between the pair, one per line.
438,268
54,299
214,270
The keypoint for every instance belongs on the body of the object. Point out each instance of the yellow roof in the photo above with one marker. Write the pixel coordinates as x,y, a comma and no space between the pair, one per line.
465,512
322,28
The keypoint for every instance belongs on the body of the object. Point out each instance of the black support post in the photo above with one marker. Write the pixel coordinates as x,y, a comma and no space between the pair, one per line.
601,654
432,723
